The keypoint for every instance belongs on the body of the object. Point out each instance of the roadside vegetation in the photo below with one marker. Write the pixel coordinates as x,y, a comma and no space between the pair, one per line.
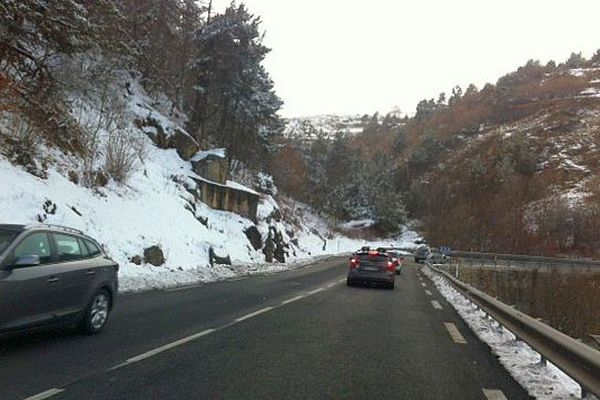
510,167
565,300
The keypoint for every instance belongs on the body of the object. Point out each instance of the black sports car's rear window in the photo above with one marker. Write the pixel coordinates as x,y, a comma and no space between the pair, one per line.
6,238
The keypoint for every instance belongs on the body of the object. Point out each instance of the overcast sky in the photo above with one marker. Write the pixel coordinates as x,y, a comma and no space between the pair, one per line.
349,56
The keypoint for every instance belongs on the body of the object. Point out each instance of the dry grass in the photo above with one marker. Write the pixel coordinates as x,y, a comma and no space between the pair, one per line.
568,301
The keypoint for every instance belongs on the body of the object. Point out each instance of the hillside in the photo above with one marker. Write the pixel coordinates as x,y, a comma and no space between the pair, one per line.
156,207
151,127
309,129
510,167
525,185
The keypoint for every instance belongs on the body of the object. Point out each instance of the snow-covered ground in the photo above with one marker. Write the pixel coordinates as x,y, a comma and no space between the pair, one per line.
543,382
151,210
156,208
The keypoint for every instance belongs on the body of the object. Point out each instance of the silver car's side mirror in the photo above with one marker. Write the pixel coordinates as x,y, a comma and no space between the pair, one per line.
26,261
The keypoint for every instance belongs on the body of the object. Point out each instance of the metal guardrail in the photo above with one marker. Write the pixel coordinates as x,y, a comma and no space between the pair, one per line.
525,259
577,360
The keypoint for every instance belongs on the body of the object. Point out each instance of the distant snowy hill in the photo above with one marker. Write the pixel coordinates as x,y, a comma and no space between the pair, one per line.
309,128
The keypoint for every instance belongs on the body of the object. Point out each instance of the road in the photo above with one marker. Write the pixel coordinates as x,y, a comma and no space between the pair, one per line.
300,334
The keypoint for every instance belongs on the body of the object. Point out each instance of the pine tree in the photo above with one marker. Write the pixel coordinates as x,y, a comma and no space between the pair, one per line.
456,95
235,100
32,32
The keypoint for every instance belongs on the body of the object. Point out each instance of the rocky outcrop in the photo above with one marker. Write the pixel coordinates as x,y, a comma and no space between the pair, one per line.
176,138
275,246
215,259
254,237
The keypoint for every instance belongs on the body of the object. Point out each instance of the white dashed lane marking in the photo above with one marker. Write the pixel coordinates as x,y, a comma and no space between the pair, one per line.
428,293
454,333
288,301
52,392
169,346
45,395
493,394
436,304
253,314
423,284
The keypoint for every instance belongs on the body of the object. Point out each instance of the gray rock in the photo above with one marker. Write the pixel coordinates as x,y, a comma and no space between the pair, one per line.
254,237
179,140
154,255
184,144
137,260
215,259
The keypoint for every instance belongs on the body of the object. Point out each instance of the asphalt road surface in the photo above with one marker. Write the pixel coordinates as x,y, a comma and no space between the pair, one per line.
300,334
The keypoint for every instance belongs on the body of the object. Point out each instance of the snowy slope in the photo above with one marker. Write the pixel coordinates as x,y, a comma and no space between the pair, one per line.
326,125
155,207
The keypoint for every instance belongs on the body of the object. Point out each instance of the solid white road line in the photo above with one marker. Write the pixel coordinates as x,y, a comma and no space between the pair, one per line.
342,280
169,346
436,304
288,301
428,293
332,284
316,290
493,394
454,333
253,314
45,395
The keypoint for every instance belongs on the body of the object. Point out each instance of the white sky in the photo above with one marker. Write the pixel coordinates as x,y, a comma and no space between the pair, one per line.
347,56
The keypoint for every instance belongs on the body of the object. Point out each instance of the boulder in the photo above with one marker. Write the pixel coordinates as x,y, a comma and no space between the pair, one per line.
137,260
269,248
280,246
254,237
179,140
215,259
154,255
185,145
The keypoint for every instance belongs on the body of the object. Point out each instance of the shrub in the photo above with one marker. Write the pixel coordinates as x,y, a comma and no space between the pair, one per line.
122,152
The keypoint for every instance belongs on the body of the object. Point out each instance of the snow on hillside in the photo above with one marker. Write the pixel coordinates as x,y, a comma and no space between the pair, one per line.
326,125
156,208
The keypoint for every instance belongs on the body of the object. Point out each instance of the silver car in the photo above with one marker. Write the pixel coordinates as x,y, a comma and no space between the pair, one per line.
54,275
371,266
422,254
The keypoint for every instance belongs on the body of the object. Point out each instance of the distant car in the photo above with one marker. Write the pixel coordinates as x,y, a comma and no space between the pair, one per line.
422,254
371,266
437,257
53,275
396,259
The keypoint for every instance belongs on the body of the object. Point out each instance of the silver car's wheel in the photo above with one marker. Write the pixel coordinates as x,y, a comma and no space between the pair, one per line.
97,313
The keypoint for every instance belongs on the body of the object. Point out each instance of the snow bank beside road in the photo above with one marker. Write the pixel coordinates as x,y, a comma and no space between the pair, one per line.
544,382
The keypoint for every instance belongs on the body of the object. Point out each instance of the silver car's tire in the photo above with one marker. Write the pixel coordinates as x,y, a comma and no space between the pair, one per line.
96,314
